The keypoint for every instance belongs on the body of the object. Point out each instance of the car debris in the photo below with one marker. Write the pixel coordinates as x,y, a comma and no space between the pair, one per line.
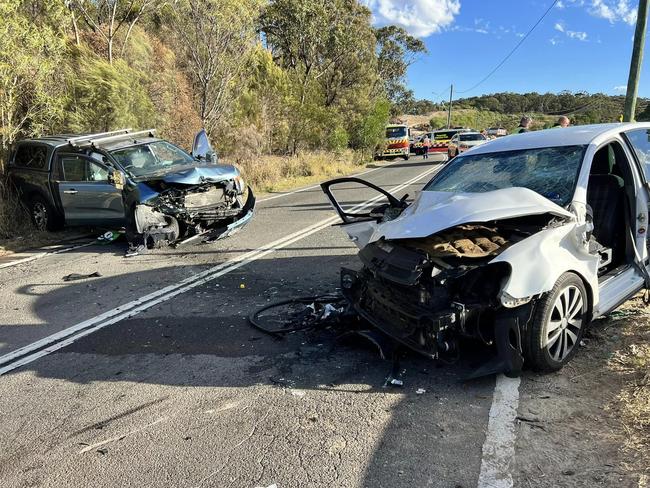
518,244
77,276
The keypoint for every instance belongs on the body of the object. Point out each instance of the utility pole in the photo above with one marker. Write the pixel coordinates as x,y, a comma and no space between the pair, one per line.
451,94
635,64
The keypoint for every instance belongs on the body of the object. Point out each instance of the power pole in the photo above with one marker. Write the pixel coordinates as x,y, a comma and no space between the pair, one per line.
635,64
451,94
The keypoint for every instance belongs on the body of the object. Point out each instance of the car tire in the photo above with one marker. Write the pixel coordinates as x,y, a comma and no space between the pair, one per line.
43,216
406,158
559,321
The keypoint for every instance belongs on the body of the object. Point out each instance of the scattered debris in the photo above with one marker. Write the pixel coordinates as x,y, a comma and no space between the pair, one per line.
420,391
298,393
77,276
109,236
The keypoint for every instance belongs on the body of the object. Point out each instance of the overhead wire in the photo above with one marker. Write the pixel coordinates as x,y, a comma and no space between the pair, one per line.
521,41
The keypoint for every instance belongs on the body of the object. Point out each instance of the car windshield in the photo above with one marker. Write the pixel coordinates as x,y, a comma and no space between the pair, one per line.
550,171
392,132
444,135
147,159
471,137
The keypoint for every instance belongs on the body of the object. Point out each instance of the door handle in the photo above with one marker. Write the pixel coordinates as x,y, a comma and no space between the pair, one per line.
70,192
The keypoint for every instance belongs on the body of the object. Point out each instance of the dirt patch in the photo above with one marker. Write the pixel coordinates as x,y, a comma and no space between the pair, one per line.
574,426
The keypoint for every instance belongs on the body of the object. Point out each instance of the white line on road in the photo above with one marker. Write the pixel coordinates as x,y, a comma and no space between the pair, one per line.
45,253
499,446
49,344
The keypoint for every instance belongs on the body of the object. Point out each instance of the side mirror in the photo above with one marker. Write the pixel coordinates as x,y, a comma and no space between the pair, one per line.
116,178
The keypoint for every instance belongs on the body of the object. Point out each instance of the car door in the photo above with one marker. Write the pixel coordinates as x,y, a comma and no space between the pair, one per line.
359,218
87,196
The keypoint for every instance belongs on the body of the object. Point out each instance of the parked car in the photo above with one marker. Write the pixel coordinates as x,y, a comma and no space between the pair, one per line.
463,141
159,192
518,244
494,132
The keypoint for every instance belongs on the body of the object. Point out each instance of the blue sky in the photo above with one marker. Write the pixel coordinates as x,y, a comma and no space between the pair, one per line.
582,45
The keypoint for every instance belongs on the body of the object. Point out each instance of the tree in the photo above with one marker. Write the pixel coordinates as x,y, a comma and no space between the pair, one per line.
217,37
108,17
396,51
31,96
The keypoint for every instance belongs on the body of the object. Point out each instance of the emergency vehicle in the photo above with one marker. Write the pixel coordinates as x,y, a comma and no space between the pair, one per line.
396,143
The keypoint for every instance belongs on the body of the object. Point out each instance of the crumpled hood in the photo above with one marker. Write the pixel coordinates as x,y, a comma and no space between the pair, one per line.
197,175
434,211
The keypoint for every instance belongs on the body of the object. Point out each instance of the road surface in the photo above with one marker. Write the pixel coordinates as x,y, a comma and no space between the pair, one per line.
172,387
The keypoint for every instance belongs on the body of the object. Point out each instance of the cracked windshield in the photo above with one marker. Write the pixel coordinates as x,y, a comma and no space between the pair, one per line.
551,172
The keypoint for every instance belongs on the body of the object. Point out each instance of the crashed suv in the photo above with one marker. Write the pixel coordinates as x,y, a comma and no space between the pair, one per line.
519,244
159,192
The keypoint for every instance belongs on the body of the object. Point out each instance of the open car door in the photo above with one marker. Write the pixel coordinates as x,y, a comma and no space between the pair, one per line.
361,218
202,149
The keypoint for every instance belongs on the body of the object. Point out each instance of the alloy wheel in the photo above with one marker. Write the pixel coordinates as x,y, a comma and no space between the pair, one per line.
564,324
39,213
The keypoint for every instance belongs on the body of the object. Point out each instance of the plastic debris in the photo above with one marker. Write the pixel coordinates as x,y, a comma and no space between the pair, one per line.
420,391
396,382
109,236
77,276
298,393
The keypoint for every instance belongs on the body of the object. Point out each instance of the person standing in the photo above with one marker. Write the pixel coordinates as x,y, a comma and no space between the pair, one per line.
524,125
563,121
426,144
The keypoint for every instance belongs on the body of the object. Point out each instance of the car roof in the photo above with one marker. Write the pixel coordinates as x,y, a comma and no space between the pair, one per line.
389,126
60,140
577,135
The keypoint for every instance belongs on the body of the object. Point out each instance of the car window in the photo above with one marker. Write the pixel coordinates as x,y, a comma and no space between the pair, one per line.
472,137
147,159
76,168
550,171
640,141
32,156
392,132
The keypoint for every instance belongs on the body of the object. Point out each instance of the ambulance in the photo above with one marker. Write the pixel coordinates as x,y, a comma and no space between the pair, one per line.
396,143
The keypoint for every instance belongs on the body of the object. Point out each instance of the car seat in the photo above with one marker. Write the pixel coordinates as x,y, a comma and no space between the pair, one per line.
606,196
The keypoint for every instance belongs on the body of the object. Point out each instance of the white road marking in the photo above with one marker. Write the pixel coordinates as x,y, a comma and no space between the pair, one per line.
45,253
63,338
499,446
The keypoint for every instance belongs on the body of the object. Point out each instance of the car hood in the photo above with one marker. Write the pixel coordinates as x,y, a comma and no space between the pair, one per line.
434,211
195,175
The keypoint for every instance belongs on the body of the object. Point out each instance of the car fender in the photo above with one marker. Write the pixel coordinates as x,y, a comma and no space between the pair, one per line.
538,261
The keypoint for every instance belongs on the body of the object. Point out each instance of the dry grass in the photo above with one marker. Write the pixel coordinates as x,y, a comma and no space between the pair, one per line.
279,173
632,362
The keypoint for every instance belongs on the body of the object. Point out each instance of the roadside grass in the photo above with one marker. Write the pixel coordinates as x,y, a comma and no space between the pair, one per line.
632,363
268,174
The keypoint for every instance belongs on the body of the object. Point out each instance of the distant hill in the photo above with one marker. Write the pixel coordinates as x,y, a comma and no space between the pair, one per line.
505,110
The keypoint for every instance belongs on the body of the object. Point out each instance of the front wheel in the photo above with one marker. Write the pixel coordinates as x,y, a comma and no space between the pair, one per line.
559,321
406,157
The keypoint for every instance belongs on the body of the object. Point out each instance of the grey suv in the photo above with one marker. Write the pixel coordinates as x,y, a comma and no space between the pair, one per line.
159,192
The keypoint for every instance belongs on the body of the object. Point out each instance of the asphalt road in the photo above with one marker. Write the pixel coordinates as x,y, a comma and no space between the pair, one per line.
186,394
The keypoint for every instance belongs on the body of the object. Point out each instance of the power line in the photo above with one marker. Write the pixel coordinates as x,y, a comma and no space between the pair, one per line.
521,41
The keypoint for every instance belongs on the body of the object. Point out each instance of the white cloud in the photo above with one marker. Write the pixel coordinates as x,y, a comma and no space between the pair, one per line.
554,41
559,5
614,11
620,88
581,36
420,18
559,27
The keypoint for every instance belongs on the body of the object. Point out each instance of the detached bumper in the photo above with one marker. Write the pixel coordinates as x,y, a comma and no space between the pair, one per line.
241,219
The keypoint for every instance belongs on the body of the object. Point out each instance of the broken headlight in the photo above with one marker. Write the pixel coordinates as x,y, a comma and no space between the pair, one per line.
509,301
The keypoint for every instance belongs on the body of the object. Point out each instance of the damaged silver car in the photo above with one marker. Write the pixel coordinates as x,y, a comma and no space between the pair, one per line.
519,244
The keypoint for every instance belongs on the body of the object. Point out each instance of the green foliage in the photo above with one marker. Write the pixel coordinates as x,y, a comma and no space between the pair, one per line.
106,96
31,98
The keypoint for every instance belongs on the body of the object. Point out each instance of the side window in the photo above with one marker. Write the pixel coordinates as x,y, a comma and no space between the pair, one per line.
639,139
31,156
76,168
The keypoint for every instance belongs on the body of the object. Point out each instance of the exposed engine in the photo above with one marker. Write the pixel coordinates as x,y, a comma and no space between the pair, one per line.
426,293
182,211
